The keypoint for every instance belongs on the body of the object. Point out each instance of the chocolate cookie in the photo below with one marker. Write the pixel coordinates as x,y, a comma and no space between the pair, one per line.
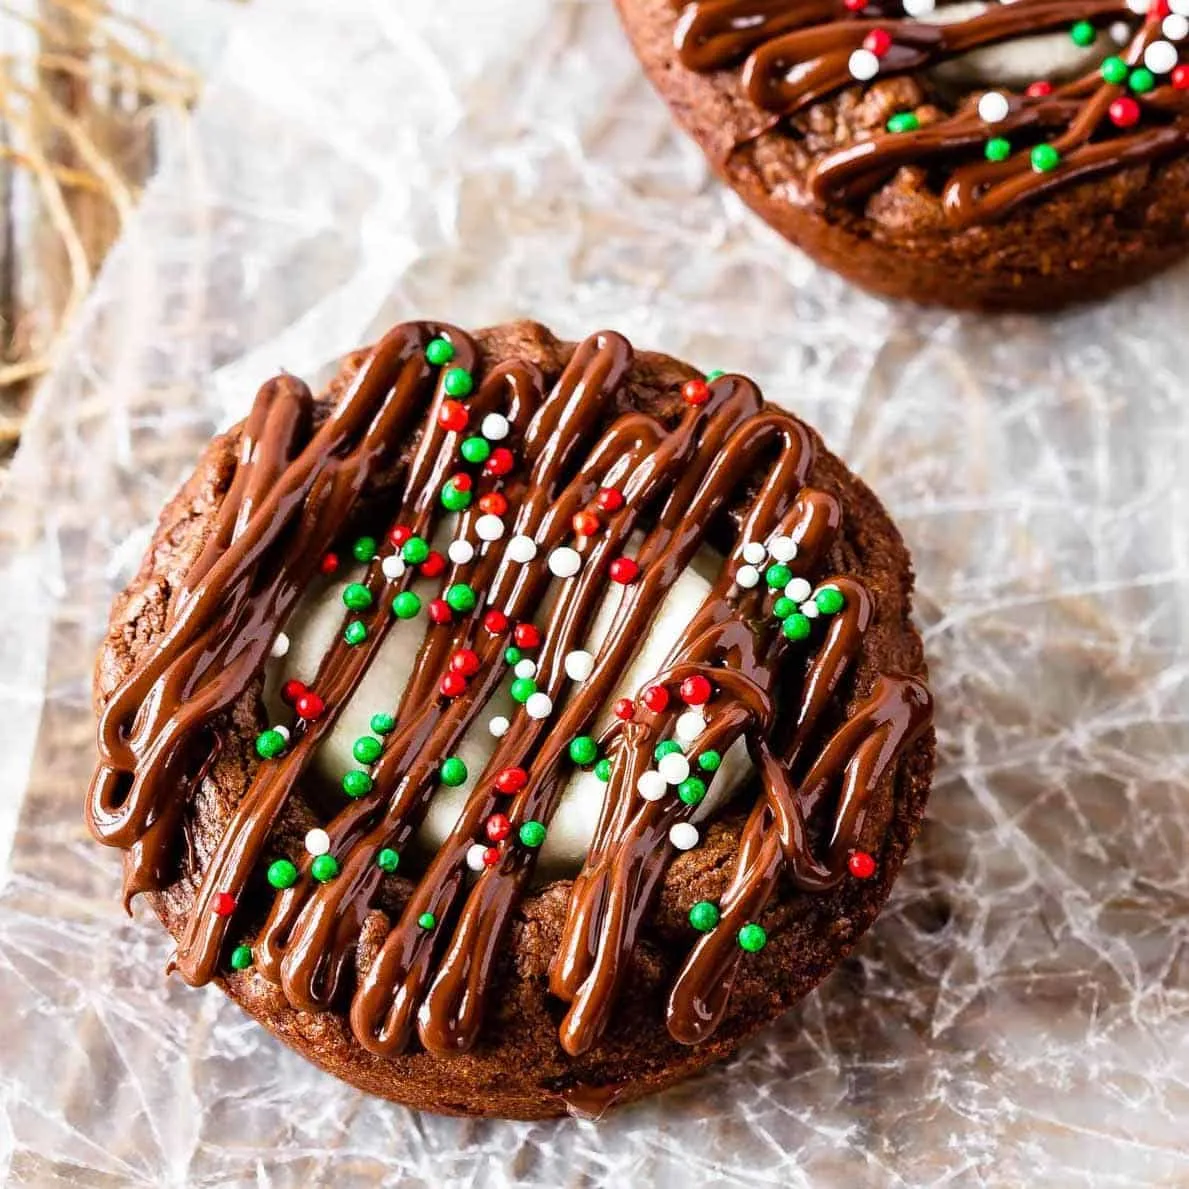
974,154
646,640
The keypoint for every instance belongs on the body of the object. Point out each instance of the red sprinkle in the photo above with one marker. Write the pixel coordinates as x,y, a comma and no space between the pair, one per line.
1039,89
1159,9
625,709
511,780
526,635
439,611
493,502
878,41
1124,112
624,570
329,563
398,534
223,904
491,856
453,416
854,5
465,661
309,705
434,566
500,461
453,684
1180,77
497,828
695,392
610,499
586,524
461,482
695,690
495,622
861,864
292,690
656,698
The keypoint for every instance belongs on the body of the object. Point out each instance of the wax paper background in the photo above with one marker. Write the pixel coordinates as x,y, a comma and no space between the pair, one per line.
1020,1012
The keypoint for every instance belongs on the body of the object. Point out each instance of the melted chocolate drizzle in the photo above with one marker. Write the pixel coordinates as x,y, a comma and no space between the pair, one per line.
794,53
292,495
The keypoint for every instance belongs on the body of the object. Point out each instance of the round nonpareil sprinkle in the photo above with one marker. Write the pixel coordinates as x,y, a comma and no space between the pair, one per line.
993,107
523,688
393,567
457,382
461,598
241,957
684,835
497,827
692,790
798,589
489,527
426,921
752,938
1114,70
747,577
282,874
579,665
324,868
998,148
387,860
317,842
796,627
860,864
521,549
539,706
414,551
366,749
460,552
383,723
665,747
689,726
495,427
357,783
709,761
829,600
1044,158
453,772
223,904
498,726
564,562
364,549
674,768
602,770
406,605
703,916
696,690
525,668
583,750
783,549
439,352
280,646
475,853
1083,33
863,65
532,834
754,553
1160,57
810,609
357,597
903,121
270,743
651,785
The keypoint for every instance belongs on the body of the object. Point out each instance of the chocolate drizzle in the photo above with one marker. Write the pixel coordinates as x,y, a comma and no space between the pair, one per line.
296,487
797,52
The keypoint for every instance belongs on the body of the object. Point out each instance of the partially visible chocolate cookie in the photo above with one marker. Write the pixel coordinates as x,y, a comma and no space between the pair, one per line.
617,609
1015,155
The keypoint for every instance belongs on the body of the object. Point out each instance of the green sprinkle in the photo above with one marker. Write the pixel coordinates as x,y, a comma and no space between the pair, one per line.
752,938
453,772
454,500
270,743
513,655
904,121
426,921
709,761
406,605
1142,80
666,747
1083,33
716,374
282,874
364,549
475,450
1114,70
1044,158
796,627
457,382
523,688
241,957
998,148
414,551
438,352
778,576
461,598
367,749
783,607
357,783
532,834
357,596
703,916
324,868
356,632
583,750
388,860
382,724
602,770
829,600
691,790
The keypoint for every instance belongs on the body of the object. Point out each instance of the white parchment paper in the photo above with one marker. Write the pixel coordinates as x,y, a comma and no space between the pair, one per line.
1020,1014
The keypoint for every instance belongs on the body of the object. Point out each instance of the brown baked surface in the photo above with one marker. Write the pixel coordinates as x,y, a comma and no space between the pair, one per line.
1076,244
519,1069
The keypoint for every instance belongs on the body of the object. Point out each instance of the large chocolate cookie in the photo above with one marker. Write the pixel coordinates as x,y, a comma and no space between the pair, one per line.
994,155
646,640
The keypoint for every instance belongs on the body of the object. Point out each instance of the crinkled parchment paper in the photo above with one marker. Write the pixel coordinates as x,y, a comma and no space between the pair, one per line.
1020,1014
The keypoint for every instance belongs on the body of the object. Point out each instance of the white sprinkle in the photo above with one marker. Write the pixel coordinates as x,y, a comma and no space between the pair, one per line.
565,562
494,427
919,8
318,842
525,668
689,726
754,552
460,552
280,645
1139,7
651,785
475,855
1120,32
393,566
674,767
1175,27
498,726
809,609
1180,7
579,665
539,706
747,576
798,590
993,107
783,548
684,835
1161,57
489,527
521,549
863,65
282,731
